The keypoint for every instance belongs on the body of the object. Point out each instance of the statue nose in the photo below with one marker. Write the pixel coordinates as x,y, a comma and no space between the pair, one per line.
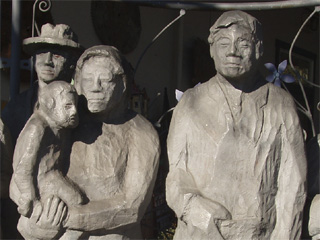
96,85
48,58
73,110
232,50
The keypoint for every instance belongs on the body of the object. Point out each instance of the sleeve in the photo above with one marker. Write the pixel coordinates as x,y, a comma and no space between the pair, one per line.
291,193
128,206
22,188
182,193
180,186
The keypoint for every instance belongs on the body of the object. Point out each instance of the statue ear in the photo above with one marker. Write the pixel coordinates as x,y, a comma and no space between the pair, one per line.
259,50
77,85
50,103
46,103
211,50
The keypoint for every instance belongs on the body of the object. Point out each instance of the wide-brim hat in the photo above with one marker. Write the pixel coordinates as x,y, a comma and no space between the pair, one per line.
59,36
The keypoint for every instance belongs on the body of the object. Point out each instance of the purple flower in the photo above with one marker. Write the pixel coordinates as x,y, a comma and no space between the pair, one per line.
277,75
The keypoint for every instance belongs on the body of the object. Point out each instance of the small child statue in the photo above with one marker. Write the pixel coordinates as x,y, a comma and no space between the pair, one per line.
41,147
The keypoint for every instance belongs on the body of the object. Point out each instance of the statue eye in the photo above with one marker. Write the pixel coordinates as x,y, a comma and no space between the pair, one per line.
68,106
244,44
86,80
105,80
224,42
56,56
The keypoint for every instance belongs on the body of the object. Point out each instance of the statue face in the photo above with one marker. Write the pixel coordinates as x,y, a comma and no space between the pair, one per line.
65,110
102,88
233,52
50,64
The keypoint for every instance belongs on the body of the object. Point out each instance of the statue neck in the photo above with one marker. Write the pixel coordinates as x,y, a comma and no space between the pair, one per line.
114,115
244,83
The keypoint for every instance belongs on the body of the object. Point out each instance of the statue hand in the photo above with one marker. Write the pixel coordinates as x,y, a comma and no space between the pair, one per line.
26,203
45,220
248,228
51,215
203,215
25,207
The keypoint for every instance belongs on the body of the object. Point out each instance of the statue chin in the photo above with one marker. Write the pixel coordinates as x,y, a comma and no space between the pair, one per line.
96,107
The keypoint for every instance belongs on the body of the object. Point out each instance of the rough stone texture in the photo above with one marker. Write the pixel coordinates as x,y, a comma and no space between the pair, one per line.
6,159
41,146
8,209
314,222
114,158
235,147
6,169
313,149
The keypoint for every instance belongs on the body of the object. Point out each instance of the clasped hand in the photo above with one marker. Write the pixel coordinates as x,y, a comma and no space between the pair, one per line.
49,214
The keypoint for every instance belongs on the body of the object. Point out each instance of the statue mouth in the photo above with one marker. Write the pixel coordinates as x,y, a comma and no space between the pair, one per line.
47,71
73,120
95,97
232,63
96,101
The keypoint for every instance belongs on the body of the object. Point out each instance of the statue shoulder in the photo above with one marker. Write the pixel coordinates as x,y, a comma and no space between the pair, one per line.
142,130
280,97
194,98
34,127
140,123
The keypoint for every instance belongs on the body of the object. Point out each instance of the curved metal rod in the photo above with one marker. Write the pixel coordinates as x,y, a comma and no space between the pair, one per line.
294,41
44,6
193,5
158,123
182,13
308,112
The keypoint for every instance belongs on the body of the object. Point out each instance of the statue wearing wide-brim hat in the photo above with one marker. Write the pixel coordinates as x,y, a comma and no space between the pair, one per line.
58,36
55,52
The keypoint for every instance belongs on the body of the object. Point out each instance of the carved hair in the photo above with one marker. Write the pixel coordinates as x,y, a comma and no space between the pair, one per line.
51,91
121,66
240,18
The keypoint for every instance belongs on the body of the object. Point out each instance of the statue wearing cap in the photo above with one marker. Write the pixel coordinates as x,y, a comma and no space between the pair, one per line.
235,147
55,52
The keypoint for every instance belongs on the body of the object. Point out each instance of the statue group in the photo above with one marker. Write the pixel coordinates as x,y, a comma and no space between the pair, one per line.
94,181
84,165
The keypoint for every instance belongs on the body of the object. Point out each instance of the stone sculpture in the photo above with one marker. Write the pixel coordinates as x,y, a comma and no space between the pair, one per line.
313,154
6,159
235,147
41,145
114,156
314,222
56,52
6,152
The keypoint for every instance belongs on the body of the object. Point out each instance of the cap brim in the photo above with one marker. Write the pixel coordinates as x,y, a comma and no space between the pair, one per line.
31,45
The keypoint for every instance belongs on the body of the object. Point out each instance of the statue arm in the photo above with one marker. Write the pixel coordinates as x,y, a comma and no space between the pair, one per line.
182,193
6,159
24,164
102,214
291,194
128,206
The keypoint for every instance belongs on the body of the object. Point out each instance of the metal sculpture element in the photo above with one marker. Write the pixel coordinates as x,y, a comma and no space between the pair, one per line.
44,6
305,110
